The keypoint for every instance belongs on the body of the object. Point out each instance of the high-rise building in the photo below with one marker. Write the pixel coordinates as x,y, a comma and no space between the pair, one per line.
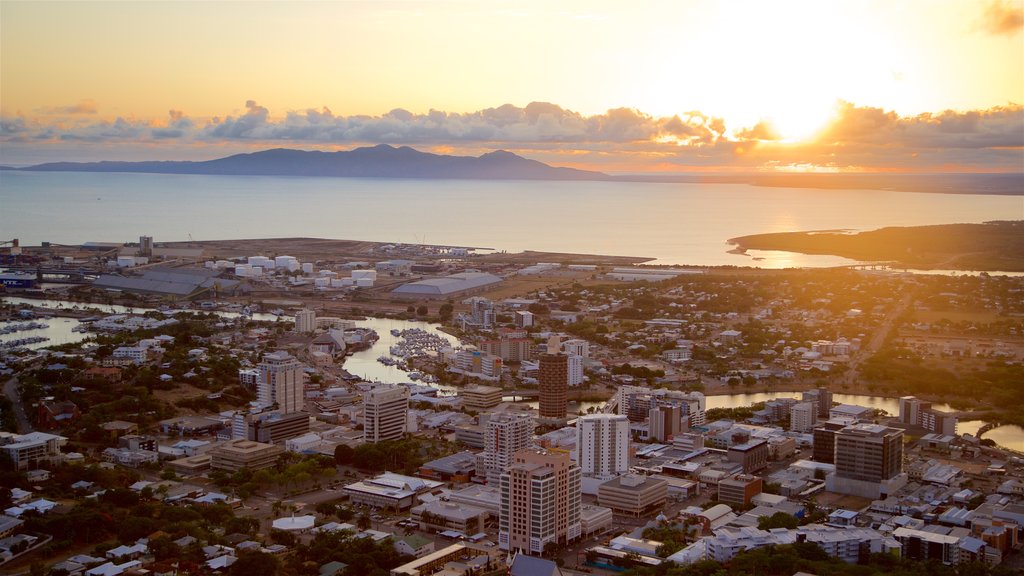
576,347
574,365
664,422
540,501
868,459
917,412
602,443
523,319
280,382
825,439
636,403
305,321
823,399
385,411
504,435
803,416
554,382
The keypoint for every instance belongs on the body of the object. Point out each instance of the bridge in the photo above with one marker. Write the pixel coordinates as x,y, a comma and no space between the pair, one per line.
986,428
59,274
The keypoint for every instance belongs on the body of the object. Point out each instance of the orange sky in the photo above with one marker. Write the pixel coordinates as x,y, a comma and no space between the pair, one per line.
675,85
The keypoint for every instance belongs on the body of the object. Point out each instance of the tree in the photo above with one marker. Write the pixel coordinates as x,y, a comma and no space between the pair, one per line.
421,310
445,311
255,564
777,520
364,521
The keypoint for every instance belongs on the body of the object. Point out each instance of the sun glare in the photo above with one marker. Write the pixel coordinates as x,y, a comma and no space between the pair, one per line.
800,120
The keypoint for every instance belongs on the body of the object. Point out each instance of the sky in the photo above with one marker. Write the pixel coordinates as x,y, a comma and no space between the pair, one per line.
648,86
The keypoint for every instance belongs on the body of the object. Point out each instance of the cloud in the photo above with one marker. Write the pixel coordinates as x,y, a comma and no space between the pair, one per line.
1001,18
761,131
859,138
83,107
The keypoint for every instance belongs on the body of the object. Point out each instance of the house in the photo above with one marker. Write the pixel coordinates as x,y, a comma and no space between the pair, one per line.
414,545
53,414
334,568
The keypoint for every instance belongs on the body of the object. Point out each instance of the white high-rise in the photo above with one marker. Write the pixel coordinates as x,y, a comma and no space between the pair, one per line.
504,435
385,412
576,347
575,364
305,321
280,382
803,417
602,442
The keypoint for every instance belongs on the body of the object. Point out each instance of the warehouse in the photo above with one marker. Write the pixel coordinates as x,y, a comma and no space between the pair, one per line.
461,284
180,282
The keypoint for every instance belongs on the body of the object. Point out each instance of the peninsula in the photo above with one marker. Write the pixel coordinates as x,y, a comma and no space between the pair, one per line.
990,246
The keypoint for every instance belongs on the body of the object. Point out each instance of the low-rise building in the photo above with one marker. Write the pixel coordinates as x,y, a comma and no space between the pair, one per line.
739,489
480,397
235,455
390,490
439,516
633,495
33,449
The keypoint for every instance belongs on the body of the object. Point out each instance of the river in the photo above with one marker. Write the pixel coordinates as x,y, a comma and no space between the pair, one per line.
365,365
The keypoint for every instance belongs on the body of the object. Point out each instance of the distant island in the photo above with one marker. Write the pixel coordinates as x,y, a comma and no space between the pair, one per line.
385,161
992,246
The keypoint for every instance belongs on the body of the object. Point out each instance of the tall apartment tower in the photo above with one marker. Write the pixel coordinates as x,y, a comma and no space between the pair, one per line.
305,321
554,382
504,435
602,442
803,416
664,421
385,411
280,382
540,501
869,460
822,397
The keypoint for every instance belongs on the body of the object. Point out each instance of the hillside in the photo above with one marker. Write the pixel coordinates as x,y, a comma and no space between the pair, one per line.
991,246
371,162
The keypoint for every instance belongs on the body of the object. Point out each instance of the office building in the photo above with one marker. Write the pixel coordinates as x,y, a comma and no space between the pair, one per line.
636,403
803,416
505,434
739,489
280,382
235,455
385,412
271,427
540,501
822,399
752,455
917,412
869,461
633,495
305,321
825,439
602,443
478,398
663,422
554,383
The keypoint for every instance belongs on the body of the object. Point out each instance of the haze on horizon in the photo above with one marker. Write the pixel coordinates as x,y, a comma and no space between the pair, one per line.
915,86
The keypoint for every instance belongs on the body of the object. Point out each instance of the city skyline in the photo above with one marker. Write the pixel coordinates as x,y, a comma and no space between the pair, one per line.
912,86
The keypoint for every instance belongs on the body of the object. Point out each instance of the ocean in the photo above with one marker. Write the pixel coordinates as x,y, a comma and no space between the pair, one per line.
673,223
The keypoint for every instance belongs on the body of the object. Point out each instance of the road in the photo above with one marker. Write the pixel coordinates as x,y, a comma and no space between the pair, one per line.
11,391
878,338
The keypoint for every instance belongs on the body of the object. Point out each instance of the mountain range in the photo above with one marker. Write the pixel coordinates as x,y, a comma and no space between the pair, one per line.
385,161
381,161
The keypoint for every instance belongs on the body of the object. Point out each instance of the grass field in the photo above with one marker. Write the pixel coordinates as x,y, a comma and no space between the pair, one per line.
978,317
